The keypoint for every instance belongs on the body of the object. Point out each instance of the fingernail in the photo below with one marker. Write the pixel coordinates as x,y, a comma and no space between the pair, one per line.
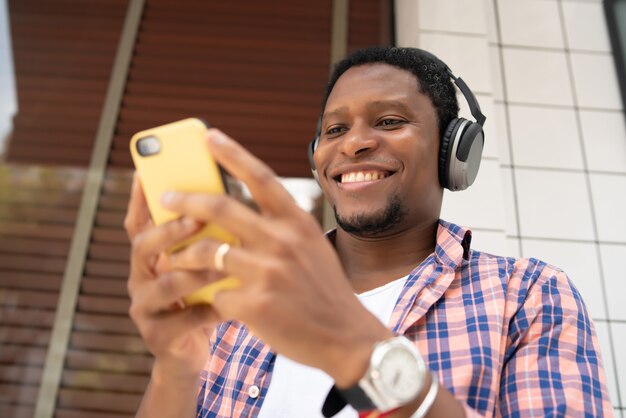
135,180
218,138
168,197
188,222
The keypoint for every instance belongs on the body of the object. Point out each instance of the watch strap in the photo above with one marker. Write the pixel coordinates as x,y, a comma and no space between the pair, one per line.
334,403
337,399
357,398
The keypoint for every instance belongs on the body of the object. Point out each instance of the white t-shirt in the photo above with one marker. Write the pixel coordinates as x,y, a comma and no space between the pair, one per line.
298,391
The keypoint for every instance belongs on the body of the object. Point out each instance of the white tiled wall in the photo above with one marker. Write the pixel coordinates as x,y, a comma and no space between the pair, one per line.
553,184
603,136
595,81
613,257
610,206
585,26
557,141
544,73
604,331
553,204
514,16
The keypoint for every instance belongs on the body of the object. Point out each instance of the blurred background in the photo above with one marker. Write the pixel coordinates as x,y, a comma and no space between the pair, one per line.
78,78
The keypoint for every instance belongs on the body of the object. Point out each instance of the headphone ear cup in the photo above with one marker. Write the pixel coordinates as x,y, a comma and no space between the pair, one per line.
310,151
445,149
465,155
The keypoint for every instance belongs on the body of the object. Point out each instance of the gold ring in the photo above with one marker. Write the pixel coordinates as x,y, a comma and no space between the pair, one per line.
219,257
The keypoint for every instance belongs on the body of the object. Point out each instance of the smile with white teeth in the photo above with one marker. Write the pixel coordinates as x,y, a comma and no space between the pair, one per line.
357,176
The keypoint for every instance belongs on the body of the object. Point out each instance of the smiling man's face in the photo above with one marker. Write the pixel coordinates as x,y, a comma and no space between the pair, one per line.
378,151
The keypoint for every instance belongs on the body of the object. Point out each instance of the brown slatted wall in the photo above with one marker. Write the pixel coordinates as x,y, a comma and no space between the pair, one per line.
219,62
37,211
254,69
63,51
107,365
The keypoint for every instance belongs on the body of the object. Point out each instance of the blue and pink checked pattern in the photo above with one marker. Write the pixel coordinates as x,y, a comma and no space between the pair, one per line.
508,337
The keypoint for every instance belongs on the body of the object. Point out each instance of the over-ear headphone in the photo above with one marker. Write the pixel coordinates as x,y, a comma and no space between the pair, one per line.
461,146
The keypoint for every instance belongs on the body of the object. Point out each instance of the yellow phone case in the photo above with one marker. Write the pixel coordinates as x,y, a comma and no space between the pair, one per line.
183,163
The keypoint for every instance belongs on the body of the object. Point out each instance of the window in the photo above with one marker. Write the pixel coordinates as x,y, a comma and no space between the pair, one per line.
615,11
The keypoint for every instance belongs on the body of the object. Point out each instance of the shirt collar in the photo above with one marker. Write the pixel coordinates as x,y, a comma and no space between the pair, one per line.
453,244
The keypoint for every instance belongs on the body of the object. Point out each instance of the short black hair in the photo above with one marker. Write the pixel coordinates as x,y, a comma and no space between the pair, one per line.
431,73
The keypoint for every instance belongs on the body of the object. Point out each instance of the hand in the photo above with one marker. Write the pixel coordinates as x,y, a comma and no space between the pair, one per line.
178,337
294,294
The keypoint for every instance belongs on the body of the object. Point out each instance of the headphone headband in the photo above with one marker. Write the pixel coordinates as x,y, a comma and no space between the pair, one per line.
471,100
465,90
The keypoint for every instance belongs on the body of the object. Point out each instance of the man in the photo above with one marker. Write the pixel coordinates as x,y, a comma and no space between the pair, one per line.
392,313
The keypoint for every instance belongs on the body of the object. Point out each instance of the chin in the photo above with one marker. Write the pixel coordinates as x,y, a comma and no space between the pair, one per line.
373,223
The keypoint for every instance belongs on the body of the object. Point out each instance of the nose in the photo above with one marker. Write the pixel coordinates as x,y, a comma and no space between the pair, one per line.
358,141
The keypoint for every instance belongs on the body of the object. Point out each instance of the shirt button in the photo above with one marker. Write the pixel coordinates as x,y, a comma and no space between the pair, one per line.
254,391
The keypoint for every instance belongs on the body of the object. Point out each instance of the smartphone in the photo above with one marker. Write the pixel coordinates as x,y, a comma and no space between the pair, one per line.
175,157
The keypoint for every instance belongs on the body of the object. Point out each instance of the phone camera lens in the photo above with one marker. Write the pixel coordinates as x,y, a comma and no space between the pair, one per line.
148,146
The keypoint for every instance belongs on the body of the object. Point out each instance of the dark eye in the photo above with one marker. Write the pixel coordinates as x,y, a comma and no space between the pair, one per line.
334,130
390,122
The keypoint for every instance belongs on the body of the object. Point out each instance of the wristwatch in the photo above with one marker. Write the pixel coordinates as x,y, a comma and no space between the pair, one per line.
395,377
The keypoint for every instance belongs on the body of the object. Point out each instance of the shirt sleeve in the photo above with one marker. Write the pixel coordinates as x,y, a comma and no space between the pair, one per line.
552,366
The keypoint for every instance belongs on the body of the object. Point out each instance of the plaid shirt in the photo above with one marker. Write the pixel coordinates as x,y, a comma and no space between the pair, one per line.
508,337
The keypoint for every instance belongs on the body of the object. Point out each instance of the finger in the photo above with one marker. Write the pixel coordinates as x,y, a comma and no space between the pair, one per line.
166,327
262,182
137,214
148,245
202,255
228,213
160,238
171,287
162,264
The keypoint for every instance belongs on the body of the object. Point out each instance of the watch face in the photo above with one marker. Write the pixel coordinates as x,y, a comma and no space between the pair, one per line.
401,375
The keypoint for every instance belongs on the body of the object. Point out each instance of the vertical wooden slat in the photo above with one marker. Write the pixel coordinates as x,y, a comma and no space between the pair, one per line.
340,26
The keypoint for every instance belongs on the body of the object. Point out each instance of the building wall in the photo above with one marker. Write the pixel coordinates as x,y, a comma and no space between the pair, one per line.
8,101
264,59
552,183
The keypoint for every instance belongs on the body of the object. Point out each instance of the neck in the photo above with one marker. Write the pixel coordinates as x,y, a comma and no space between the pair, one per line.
371,262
